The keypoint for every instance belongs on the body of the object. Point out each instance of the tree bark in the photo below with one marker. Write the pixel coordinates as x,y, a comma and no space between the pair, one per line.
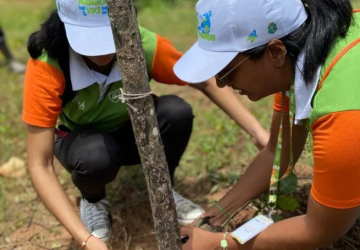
132,65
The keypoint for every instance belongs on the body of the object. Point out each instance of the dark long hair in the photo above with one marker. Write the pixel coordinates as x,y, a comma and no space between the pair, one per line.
328,19
51,37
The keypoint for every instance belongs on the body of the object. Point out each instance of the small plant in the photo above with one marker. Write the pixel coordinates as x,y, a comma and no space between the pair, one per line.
285,201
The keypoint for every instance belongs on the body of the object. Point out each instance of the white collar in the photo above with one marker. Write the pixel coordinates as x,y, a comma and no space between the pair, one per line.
303,92
83,77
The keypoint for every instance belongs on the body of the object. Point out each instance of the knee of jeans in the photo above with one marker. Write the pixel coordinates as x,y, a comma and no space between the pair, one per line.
175,109
97,163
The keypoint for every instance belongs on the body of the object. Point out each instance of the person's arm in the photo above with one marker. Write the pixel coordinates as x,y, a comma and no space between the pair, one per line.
225,99
334,204
256,179
40,161
162,71
44,84
320,227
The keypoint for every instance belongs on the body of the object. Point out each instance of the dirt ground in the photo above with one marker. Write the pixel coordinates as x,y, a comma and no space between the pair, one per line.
28,225
132,220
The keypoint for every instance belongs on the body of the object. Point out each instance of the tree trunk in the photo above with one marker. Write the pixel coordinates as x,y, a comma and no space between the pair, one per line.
132,64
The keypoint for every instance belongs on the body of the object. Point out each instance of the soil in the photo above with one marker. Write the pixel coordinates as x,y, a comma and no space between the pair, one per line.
132,222
132,219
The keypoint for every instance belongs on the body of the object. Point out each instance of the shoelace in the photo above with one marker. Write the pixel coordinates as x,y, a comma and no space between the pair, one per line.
96,213
183,205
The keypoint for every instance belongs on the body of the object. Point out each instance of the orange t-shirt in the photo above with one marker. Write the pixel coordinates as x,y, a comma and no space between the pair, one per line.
45,83
334,123
336,157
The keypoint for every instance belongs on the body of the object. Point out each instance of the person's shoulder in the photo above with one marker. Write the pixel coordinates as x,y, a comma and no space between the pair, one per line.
44,59
147,34
44,69
43,88
149,44
339,85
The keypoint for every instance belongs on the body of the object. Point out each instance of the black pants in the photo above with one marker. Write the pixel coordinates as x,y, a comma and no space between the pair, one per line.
2,36
3,47
93,157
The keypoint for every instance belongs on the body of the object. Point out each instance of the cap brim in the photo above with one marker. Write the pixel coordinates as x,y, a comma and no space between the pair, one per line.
198,65
91,41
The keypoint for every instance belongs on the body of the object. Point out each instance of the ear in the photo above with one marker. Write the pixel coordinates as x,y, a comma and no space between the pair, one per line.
276,52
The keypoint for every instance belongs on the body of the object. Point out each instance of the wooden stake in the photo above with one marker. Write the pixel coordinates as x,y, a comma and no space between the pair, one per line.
132,65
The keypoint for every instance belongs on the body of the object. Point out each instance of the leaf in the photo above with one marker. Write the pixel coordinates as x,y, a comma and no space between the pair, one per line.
288,203
288,185
214,189
55,229
17,199
276,217
55,245
14,168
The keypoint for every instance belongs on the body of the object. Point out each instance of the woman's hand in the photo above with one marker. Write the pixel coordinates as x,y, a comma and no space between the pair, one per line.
40,163
95,244
200,239
262,140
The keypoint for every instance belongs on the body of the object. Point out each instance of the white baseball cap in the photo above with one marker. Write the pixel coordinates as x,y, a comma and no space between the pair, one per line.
87,26
227,27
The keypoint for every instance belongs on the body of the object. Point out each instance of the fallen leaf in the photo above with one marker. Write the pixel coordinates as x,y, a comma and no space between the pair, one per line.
14,168
55,245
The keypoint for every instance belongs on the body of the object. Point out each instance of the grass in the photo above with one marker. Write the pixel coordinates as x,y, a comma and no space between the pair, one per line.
216,156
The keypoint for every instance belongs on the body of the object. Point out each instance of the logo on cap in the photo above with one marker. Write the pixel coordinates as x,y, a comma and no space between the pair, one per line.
90,7
272,28
204,27
252,37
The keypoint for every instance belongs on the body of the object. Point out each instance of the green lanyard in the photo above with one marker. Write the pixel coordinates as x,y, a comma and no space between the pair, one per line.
276,167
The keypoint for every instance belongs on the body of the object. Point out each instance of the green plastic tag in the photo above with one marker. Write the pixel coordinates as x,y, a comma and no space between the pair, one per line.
224,244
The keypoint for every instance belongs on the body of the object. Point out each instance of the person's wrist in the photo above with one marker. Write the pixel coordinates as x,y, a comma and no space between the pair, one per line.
256,130
231,205
262,135
216,241
85,242
232,243
81,236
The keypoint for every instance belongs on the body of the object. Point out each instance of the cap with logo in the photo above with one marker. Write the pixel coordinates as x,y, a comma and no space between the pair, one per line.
228,27
87,26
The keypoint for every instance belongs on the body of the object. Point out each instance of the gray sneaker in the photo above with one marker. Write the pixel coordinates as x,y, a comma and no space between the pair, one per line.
186,210
96,218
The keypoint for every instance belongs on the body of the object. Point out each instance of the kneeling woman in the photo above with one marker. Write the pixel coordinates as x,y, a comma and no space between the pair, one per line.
73,77
308,50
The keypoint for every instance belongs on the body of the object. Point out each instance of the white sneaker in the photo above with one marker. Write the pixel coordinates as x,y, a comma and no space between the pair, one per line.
96,218
17,67
186,210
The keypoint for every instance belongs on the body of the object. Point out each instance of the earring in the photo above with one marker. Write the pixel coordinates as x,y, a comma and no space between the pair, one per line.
285,53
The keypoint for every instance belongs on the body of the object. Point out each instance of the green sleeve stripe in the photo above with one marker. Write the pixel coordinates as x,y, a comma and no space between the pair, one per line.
340,91
52,61
149,41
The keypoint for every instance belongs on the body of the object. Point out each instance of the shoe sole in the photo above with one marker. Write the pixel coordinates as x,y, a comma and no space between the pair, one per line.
106,239
183,222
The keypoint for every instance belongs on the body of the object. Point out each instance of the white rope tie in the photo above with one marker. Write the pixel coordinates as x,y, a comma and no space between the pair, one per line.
125,98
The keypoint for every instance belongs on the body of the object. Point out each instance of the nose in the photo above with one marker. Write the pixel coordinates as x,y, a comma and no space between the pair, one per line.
220,83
